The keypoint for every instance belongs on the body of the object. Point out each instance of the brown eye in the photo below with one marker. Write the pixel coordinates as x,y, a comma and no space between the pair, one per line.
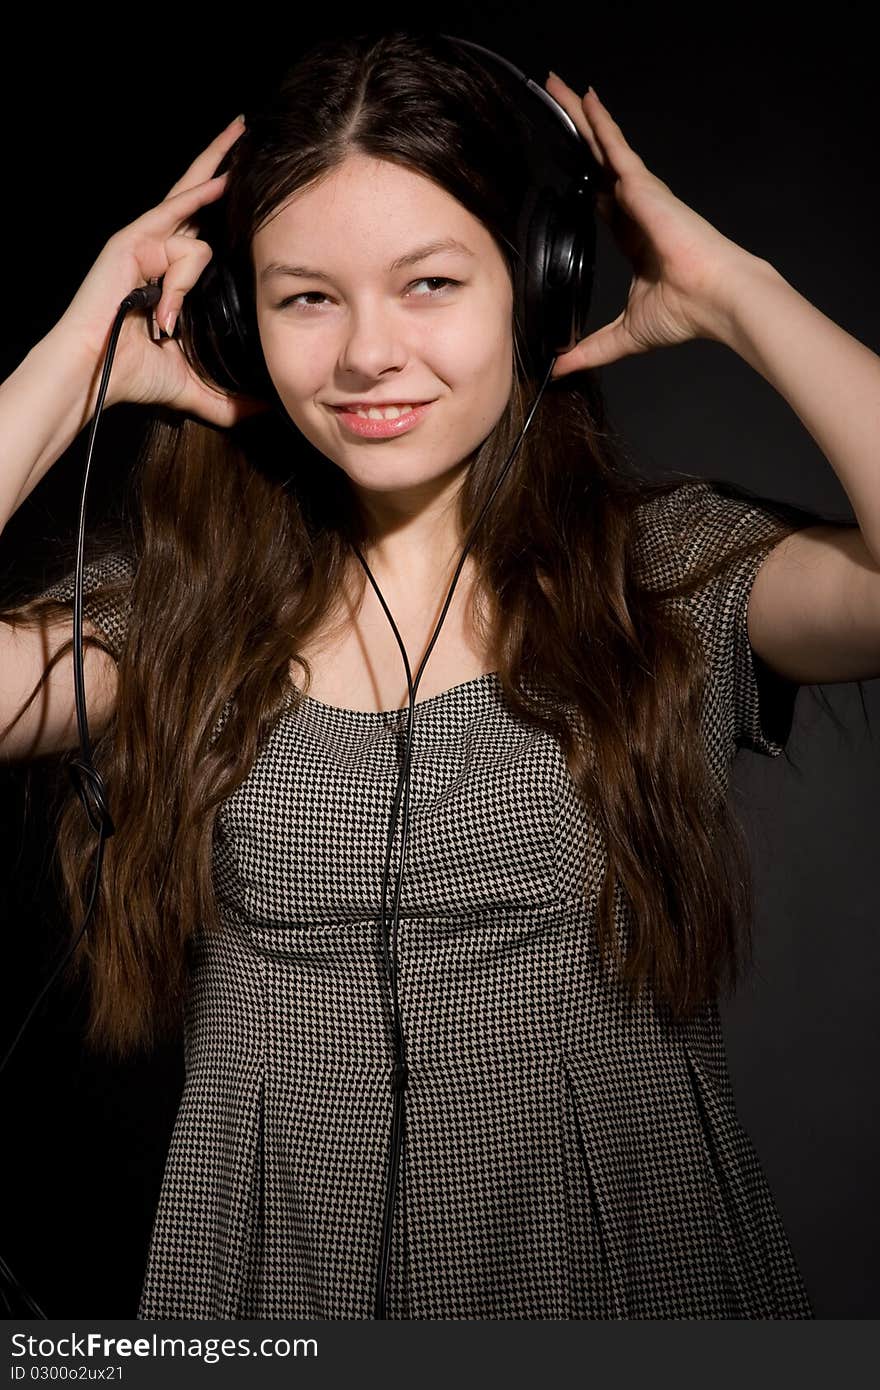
433,280
441,280
305,295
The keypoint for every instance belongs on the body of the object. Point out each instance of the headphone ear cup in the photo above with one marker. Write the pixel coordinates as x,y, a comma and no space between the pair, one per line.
554,280
556,223
569,269
219,336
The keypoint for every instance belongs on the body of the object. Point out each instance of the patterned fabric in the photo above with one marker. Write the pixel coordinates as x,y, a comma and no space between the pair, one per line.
111,619
568,1154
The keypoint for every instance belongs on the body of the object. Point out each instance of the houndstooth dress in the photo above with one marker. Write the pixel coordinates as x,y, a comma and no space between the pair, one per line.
567,1155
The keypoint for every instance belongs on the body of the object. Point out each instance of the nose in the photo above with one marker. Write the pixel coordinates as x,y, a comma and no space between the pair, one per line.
374,342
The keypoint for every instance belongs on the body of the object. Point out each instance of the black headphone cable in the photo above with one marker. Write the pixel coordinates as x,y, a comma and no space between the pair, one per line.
84,775
399,1069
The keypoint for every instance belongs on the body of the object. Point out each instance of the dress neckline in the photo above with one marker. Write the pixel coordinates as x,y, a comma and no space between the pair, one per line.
443,696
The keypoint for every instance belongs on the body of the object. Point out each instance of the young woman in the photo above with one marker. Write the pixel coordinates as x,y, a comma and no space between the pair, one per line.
576,892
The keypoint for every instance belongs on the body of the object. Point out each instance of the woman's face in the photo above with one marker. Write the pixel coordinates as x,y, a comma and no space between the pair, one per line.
364,331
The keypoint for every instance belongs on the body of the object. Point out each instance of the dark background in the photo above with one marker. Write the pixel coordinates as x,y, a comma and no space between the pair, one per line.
767,127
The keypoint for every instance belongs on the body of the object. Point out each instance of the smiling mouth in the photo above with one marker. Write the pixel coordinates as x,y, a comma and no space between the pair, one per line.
386,406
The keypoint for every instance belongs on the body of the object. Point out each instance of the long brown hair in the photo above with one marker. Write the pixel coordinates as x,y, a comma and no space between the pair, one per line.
243,558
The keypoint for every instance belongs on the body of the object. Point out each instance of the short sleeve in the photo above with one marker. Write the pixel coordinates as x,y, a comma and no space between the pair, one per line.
109,612
748,704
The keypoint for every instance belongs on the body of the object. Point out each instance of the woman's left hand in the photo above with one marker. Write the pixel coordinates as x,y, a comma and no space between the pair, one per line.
681,262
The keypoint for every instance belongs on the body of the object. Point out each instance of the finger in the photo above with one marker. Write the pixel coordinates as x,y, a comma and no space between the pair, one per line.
186,261
205,164
168,217
227,410
606,345
218,407
571,104
187,228
609,132
602,133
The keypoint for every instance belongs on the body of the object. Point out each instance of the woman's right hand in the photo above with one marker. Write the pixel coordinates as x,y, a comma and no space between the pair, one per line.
159,243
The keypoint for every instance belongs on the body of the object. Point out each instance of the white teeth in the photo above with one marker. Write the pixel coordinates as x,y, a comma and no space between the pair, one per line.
390,413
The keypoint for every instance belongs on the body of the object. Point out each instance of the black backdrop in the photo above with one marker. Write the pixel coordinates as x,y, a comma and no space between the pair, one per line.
768,128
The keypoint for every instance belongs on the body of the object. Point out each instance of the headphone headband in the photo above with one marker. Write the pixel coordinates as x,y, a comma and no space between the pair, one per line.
555,239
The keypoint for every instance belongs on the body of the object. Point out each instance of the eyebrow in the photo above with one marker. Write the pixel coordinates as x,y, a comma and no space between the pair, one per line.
420,253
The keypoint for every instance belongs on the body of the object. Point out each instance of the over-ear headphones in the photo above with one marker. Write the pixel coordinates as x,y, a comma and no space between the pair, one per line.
555,241
556,245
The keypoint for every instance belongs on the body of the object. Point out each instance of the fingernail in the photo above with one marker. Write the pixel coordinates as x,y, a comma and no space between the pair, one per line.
169,323
241,118
550,74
